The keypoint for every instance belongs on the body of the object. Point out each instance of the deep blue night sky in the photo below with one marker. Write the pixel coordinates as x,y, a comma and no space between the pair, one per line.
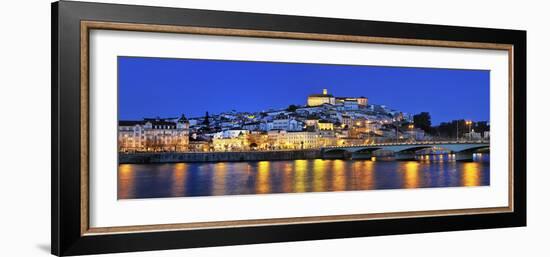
150,87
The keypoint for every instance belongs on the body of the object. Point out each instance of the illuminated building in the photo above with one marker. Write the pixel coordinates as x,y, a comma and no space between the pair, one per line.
349,103
320,99
352,102
233,133
230,140
347,121
276,138
258,140
301,140
312,121
199,145
473,135
325,125
319,124
230,144
280,139
153,135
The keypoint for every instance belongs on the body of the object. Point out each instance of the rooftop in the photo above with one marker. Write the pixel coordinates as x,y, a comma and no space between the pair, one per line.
130,122
320,95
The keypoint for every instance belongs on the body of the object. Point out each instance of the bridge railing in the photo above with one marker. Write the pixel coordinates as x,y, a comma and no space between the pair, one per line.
429,142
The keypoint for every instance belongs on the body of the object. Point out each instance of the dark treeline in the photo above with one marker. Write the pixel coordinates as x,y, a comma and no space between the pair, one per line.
448,129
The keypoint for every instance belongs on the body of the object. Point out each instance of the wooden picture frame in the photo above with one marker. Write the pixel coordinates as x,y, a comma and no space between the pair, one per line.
71,24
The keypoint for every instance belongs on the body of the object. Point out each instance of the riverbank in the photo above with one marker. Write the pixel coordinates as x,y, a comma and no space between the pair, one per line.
136,158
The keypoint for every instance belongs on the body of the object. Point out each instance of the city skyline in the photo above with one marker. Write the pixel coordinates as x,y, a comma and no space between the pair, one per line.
165,87
345,119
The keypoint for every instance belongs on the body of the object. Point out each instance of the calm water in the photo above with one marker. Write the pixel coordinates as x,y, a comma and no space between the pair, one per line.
263,177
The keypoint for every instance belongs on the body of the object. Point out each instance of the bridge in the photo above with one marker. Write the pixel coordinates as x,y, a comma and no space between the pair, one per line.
463,150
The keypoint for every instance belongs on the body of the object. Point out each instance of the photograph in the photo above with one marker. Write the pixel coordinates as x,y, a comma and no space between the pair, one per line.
205,127
176,127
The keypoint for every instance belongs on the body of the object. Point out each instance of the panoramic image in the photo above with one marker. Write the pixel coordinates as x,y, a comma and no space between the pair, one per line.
194,127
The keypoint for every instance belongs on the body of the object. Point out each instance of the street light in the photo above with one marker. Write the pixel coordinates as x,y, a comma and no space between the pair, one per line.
411,127
396,132
469,123
457,130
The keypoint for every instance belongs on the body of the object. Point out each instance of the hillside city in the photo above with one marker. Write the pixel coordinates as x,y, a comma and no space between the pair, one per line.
324,120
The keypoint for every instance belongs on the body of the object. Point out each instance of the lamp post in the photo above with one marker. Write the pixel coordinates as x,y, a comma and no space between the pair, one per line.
457,130
396,132
411,127
469,123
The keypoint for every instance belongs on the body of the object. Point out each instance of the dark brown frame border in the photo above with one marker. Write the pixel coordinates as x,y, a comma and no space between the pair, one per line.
71,22
87,26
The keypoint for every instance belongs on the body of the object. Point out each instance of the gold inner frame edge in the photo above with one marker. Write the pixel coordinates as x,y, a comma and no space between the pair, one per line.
86,26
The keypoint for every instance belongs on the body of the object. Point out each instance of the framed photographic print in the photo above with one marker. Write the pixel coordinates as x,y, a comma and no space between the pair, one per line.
178,128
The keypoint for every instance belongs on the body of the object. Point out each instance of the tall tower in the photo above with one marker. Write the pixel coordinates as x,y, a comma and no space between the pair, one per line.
325,91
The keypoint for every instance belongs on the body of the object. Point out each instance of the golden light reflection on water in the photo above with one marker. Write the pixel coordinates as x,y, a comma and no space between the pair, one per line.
365,175
178,179
471,174
411,171
300,167
218,181
319,168
125,181
288,177
338,175
262,180
190,179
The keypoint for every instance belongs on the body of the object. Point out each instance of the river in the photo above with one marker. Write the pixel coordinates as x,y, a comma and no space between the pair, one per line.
297,176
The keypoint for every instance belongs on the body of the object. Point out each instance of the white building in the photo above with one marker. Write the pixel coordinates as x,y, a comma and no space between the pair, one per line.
281,139
153,135
286,124
230,133
351,105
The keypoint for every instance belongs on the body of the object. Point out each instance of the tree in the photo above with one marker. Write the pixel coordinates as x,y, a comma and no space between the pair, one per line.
450,130
292,108
206,120
423,121
481,126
